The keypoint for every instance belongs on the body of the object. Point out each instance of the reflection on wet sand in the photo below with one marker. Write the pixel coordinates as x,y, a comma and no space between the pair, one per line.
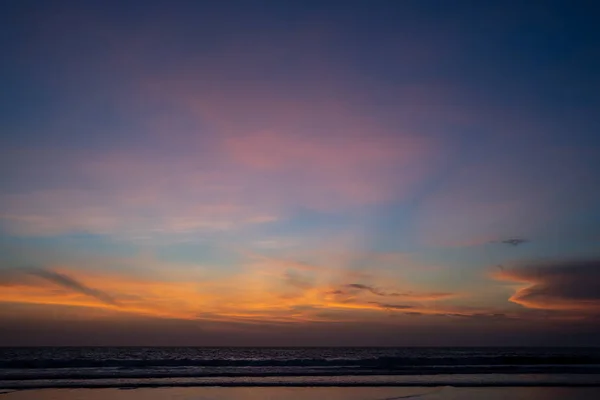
301,393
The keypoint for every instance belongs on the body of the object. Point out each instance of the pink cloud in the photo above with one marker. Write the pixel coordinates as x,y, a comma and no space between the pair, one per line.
231,177
220,143
330,173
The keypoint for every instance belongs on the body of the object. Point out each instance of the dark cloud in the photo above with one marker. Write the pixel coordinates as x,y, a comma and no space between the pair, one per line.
514,241
392,306
560,285
407,295
472,316
477,315
367,288
423,296
71,284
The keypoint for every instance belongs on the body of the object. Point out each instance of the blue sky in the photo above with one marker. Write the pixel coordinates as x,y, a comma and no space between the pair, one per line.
275,166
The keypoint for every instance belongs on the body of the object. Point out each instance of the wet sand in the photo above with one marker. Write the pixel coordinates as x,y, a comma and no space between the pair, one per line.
306,393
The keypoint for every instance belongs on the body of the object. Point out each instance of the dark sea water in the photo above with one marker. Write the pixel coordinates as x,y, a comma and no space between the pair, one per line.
188,366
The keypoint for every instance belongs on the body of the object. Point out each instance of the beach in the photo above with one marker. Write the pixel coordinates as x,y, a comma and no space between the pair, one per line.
306,393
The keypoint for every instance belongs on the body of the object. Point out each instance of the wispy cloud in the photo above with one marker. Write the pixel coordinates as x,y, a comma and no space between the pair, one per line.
19,278
72,284
367,288
387,306
218,153
408,295
268,294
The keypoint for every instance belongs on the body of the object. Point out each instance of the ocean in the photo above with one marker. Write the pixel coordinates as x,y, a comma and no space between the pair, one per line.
106,367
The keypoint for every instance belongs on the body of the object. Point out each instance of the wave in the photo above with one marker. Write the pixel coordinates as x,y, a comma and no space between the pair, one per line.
388,363
103,374
413,380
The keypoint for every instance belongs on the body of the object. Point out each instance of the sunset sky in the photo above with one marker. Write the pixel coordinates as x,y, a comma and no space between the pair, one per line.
299,172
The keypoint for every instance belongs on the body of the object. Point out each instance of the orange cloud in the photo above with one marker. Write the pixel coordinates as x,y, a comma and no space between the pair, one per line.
145,297
271,290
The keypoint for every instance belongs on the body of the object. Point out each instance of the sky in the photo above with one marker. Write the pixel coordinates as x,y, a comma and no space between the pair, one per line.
215,173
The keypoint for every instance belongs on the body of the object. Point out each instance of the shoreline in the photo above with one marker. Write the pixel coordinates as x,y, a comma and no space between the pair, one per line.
308,385
309,393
